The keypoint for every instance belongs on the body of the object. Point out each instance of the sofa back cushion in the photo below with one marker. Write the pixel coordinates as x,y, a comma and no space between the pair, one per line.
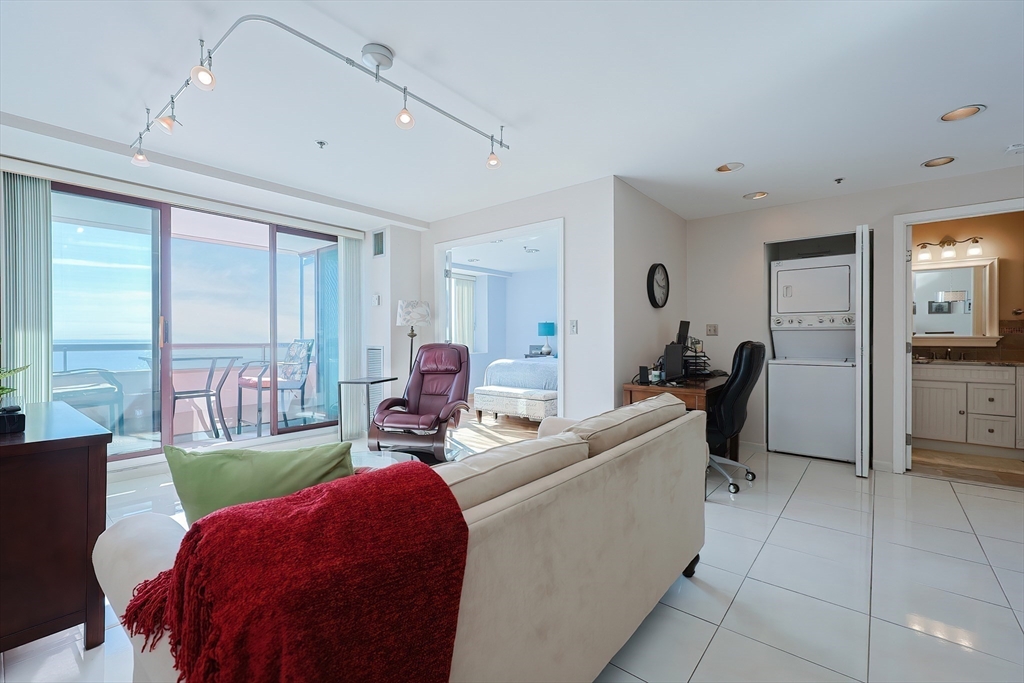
480,477
608,430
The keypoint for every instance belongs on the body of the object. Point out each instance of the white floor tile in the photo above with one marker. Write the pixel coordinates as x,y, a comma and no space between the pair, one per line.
825,634
843,584
778,466
932,538
935,510
996,518
823,542
613,674
732,657
898,564
830,495
903,486
728,551
71,663
707,594
1005,554
751,499
1015,495
836,475
901,655
666,647
737,521
1013,586
840,519
965,621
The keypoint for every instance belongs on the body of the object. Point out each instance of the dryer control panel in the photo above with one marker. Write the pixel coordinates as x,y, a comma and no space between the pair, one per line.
827,322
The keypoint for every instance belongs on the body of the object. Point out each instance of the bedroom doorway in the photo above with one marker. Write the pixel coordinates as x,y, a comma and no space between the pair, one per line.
500,294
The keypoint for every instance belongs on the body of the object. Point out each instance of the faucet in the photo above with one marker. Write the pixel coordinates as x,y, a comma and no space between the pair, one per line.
949,354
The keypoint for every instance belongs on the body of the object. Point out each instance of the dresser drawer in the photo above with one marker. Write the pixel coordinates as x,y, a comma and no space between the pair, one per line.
990,430
992,399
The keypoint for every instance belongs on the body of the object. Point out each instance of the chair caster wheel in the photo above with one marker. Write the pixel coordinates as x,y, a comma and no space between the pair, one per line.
751,476
734,488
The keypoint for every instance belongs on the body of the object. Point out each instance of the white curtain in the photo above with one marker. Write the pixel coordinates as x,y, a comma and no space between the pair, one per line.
26,337
463,319
353,412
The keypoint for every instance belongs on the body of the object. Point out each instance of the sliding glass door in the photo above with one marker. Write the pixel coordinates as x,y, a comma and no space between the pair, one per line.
106,342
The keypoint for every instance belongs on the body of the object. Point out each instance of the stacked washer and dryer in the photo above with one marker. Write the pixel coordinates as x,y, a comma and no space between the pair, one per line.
813,379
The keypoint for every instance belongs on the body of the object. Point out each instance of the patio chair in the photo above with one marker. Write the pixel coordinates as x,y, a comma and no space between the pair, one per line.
292,371
91,388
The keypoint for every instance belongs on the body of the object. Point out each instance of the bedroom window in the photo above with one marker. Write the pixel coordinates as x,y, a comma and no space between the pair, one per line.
462,308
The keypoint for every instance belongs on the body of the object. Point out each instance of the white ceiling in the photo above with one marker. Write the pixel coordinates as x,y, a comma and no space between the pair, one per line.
509,255
657,93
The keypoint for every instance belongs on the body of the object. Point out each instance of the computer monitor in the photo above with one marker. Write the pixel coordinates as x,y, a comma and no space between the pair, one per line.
684,333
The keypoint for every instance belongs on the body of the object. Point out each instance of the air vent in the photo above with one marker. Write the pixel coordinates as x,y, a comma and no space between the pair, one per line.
375,368
378,243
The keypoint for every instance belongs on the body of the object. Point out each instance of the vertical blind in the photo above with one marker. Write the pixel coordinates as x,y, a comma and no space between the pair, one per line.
463,320
351,338
26,337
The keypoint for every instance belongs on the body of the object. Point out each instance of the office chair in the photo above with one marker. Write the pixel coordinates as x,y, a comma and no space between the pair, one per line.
726,417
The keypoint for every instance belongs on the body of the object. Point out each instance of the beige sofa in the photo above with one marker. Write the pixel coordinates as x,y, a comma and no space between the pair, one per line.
573,539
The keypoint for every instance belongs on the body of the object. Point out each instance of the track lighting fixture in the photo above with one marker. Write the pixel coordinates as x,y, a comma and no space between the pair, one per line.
375,58
139,157
169,121
405,120
492,159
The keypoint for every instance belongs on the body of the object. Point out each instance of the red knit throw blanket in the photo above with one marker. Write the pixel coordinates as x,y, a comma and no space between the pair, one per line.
357,579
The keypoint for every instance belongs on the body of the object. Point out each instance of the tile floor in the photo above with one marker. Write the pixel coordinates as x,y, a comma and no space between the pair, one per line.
808,574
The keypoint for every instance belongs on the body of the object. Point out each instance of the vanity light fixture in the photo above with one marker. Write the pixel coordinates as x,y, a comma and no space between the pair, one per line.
730,167
938,161
975,247
949,251
755,195
962,113
925,254
948,248
374,59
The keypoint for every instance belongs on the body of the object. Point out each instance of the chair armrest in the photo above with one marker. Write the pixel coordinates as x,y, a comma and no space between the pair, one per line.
553,425
390,403
449,410
262,363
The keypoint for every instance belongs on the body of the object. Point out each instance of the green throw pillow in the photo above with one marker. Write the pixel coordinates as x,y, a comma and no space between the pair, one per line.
217,479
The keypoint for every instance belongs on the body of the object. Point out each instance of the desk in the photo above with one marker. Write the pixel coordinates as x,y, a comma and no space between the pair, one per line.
53,506
698,394
367,382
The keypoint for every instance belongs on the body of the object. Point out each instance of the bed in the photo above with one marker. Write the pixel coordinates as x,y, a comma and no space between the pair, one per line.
523,388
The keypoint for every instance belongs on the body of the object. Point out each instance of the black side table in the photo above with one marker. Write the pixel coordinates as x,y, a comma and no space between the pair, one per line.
367,382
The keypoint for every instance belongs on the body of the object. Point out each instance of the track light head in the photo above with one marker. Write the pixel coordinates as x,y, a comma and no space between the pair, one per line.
405,119
168,122
493,161
139,158
203,78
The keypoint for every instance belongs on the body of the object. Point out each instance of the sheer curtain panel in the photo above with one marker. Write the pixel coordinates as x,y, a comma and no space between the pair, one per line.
25,278
350,333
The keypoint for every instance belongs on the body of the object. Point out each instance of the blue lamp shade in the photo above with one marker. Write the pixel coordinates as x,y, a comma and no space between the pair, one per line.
545,329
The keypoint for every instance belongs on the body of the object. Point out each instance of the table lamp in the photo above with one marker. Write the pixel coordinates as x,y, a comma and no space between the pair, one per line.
412,313
546,330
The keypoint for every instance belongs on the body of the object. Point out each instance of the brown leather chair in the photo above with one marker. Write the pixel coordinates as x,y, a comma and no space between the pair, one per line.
434,399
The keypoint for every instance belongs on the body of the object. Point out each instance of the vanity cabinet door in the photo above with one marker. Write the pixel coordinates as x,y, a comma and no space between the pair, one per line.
940,411
992,399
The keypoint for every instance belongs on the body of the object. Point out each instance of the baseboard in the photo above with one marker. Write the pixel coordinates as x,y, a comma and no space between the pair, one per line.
968,449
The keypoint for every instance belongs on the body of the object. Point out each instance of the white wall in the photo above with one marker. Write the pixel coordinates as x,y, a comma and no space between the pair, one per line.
586,209
645,233
726,280
531,298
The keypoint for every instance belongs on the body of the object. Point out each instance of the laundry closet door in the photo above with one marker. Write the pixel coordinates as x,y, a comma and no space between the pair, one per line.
863,350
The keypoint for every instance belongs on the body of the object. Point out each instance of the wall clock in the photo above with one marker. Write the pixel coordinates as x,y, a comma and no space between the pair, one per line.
657,285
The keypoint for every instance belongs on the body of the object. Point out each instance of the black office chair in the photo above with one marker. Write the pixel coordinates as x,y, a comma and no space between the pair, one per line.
726,417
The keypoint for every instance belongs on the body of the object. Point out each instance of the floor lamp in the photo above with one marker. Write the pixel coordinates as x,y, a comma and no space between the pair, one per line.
412,313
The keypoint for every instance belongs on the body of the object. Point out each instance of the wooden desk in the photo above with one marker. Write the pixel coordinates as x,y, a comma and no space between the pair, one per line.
697,394
53,506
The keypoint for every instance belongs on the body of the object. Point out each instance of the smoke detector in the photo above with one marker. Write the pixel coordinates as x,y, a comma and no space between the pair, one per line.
1015,149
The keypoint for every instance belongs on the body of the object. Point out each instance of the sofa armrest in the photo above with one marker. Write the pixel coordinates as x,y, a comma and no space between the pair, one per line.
449,410
553,425
389,403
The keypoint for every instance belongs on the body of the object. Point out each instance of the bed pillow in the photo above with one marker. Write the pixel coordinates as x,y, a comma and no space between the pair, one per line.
213,480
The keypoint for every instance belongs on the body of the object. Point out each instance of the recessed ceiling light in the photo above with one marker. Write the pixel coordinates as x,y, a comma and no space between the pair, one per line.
963,112
755,195
730,167
938,161
472,260
530,250
497,241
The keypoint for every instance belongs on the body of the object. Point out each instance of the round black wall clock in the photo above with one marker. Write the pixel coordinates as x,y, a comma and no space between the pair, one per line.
657,285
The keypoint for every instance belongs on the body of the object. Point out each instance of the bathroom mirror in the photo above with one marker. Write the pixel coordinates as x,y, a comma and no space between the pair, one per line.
956,303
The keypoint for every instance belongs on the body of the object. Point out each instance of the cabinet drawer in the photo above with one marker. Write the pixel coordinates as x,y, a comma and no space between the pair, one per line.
991,399
990,430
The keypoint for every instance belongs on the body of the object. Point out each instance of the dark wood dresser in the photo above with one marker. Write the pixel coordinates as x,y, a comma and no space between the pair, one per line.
53,488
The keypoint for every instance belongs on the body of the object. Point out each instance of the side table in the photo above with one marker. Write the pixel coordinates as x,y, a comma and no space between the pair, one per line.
367,382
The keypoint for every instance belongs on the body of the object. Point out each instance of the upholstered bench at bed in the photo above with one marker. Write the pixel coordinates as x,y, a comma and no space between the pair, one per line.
535,404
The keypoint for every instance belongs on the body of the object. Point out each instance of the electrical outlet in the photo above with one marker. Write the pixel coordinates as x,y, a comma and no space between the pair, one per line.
574,327
712,330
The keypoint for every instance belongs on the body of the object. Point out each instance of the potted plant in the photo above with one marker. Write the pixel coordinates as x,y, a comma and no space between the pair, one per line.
12,420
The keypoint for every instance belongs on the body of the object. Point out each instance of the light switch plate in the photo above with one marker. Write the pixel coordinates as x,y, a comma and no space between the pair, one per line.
375,300
574,327
712,330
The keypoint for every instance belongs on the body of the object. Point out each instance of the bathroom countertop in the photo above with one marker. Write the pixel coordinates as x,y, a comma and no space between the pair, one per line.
943,361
